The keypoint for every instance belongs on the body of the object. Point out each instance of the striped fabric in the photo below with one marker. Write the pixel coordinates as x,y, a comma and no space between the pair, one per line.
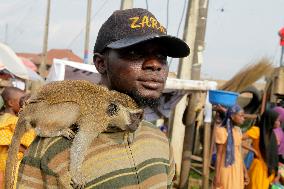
111,162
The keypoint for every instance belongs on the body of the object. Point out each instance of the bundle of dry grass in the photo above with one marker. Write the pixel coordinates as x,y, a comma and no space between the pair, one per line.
248,75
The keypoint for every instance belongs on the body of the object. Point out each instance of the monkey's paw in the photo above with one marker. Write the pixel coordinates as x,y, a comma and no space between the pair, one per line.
78,181
68,133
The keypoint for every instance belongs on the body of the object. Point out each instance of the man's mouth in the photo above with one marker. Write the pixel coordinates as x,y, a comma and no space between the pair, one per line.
152,84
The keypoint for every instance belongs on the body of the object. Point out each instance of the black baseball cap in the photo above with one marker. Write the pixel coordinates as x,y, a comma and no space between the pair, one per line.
125,28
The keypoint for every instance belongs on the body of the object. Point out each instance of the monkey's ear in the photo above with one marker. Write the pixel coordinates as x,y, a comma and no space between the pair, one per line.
112,109
136,115
100,63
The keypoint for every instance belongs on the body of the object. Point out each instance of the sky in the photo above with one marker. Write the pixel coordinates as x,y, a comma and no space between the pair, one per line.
238,32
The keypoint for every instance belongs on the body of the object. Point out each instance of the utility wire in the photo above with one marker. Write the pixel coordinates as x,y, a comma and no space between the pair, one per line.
179,25
29,10
182,15
82,29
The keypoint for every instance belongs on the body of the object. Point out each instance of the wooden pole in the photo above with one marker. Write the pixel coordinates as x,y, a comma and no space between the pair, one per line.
189,121
199,45
190,27
197,61
206,156
126,4
87,34
42,67
196,18
184,72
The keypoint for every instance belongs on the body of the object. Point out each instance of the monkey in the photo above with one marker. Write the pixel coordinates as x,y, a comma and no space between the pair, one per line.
60,104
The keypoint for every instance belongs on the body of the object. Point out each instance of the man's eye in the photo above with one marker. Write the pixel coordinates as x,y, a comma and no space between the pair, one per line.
134,55
131,55
162,56
132,52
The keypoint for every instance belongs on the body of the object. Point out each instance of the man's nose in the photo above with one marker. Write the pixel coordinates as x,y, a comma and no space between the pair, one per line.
153,64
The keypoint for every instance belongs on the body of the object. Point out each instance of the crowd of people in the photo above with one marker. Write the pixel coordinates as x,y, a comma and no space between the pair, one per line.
265,169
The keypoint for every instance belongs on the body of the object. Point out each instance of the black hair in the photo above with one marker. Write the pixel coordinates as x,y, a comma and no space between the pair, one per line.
281,103
267,141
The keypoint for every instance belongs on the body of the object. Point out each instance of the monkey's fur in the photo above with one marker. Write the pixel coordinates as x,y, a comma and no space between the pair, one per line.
59,105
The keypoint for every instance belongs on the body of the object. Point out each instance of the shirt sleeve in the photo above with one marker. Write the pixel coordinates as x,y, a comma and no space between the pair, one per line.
7,130
5,136
253,132
221,135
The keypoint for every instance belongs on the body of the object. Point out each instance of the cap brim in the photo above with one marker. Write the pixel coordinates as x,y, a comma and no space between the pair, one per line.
175,47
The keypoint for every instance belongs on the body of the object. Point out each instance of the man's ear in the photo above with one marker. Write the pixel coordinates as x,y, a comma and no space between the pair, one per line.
100,62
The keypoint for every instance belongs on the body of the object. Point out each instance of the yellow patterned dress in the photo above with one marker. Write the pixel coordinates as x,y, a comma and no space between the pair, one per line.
7,126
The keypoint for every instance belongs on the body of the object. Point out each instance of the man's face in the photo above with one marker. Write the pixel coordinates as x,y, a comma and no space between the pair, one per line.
140,71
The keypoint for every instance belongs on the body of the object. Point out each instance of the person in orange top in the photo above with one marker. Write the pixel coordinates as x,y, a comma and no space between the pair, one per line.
8,121
230,170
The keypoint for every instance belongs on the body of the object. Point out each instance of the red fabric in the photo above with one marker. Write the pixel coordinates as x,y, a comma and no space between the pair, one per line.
281,34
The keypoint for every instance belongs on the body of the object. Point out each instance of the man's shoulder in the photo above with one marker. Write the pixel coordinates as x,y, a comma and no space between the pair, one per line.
151,128
47,148
145,123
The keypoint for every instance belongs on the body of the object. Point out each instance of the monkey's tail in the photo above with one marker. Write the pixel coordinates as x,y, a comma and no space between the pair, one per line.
11,163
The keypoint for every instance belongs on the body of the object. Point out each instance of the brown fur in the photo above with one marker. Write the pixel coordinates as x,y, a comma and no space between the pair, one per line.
59,105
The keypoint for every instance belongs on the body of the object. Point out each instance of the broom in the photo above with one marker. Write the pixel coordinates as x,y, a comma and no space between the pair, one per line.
248,75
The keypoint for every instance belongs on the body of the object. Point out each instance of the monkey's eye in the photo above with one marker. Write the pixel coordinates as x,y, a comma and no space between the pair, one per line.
112,109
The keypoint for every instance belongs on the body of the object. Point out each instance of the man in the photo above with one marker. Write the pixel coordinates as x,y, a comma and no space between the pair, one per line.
130,54
281,35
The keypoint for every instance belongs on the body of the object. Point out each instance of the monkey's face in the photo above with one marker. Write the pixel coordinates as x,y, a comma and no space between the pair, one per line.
124,118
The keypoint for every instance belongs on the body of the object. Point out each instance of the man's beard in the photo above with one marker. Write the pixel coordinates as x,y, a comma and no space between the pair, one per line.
144,101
